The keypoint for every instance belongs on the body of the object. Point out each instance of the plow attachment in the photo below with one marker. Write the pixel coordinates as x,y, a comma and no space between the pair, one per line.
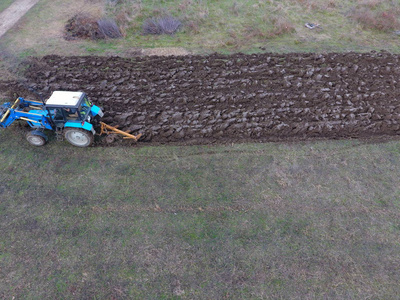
107,129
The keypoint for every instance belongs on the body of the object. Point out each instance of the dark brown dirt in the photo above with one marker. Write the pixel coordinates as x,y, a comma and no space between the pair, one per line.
82,26
221,99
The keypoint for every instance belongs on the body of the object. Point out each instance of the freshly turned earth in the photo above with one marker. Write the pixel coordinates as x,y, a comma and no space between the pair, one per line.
221,98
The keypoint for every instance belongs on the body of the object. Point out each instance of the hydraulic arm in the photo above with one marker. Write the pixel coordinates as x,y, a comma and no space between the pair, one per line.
21,109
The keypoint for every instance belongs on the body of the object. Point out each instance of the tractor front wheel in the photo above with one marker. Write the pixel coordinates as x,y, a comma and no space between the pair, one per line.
36,138
79,137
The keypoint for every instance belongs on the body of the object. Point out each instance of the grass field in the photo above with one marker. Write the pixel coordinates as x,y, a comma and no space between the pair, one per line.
310,220
246,221
222,26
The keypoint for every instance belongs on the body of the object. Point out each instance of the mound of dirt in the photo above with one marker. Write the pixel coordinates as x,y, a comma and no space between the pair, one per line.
81,26
220,98
84,26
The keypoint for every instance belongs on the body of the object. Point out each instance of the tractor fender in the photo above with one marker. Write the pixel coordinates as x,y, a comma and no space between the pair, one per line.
84,125
96,111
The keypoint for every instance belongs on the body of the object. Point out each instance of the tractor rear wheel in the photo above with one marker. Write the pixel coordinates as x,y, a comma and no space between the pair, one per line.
36,138
79,137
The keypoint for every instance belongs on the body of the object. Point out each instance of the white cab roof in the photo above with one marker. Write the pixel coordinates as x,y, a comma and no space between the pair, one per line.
64,98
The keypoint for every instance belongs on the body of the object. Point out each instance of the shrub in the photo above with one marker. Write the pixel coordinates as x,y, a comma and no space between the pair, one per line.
384,20
85,26
108,28
163,25
377,14
125,13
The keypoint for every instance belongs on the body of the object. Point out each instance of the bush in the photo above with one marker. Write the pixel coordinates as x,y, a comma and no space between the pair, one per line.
108,28
163,25
85,26
377,18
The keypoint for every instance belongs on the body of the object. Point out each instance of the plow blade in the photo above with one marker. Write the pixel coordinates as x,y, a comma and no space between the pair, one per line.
107,129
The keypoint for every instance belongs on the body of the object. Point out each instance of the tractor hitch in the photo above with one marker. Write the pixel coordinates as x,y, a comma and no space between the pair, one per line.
107,129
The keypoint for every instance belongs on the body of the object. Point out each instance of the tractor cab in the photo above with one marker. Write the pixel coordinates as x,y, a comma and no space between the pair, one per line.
69,107
73,115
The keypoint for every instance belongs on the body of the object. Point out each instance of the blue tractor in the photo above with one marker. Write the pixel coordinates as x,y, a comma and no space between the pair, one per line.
68,114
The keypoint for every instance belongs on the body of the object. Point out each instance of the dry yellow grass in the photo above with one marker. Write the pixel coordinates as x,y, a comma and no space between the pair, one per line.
165,51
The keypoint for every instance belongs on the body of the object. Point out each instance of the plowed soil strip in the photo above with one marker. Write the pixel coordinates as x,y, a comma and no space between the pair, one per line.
222,99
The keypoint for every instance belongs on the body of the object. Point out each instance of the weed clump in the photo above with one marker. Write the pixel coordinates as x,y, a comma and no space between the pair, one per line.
281,26
163,25
84,26
378,17
273,28
108,28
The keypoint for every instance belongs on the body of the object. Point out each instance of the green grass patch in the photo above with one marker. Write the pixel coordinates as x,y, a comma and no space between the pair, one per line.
216,26
242,221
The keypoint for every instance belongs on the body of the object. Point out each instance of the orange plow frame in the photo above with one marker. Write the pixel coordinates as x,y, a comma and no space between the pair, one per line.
107,129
